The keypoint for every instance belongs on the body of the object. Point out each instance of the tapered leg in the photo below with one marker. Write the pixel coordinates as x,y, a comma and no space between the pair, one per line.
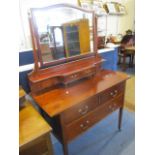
64,138
120,118
65,148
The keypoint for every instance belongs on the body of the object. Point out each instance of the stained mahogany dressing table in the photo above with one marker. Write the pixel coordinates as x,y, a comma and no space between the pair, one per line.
69,86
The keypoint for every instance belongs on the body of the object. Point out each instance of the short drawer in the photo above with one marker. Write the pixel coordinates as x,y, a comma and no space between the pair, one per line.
111,93
70,78
80,110
79,75
79,126
88,72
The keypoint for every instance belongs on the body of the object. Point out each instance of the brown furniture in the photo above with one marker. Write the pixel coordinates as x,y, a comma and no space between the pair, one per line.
127,52
34,132
74,93
74,109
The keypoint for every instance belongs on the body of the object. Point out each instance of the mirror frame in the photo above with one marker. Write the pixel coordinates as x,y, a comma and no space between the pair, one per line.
38,61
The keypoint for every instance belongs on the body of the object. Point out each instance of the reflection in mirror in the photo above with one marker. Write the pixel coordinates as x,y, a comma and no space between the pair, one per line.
63,32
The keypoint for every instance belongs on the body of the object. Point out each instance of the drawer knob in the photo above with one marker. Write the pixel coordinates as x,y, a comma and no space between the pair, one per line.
110,106
114,93
81,125
83,111
111,93
74,76
85,125
87,122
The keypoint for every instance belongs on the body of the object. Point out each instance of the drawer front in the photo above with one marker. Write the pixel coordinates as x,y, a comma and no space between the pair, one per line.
111,93
79,75
80,110
88,72
79,126
39,86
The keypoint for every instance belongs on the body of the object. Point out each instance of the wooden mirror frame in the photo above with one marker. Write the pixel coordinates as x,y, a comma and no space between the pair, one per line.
38,61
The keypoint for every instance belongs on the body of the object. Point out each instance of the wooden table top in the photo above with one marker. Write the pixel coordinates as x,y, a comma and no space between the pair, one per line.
31,125
130,48
56,101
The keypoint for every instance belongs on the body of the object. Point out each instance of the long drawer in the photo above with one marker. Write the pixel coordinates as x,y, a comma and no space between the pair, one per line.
79,126
80,109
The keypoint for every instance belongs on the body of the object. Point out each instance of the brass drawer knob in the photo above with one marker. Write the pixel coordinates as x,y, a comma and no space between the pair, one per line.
87,122
111,93
114,93
84,110
81,125
74,76
110,107
84,125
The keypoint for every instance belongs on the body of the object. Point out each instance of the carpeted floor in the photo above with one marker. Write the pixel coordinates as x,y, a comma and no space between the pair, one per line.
104,138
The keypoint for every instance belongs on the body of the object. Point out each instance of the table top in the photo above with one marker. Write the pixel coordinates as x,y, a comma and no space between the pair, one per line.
31,125
60,99
131,48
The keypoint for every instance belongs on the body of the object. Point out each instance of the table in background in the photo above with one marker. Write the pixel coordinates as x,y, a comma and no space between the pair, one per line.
34,132
128,50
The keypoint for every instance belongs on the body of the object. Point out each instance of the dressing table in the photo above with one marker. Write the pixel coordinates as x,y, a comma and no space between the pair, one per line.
67,82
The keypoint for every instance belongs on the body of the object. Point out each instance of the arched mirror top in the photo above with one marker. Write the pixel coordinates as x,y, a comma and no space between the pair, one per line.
62,33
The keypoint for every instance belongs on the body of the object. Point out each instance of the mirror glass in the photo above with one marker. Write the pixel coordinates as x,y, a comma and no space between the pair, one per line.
63,32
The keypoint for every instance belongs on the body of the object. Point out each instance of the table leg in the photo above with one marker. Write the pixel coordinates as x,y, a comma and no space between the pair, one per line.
64,138
65,148
133,55
124,62
120,118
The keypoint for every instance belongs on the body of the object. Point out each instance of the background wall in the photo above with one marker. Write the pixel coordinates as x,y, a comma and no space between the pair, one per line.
127,21
111,24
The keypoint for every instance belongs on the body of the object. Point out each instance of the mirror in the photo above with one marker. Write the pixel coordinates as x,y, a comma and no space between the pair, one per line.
63,33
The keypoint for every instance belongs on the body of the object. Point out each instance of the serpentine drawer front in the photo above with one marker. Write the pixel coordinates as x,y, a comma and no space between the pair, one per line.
79,75
82,124
112,93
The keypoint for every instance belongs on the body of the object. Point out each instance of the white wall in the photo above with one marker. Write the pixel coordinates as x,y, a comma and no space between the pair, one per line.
112,24
116,24
127,21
